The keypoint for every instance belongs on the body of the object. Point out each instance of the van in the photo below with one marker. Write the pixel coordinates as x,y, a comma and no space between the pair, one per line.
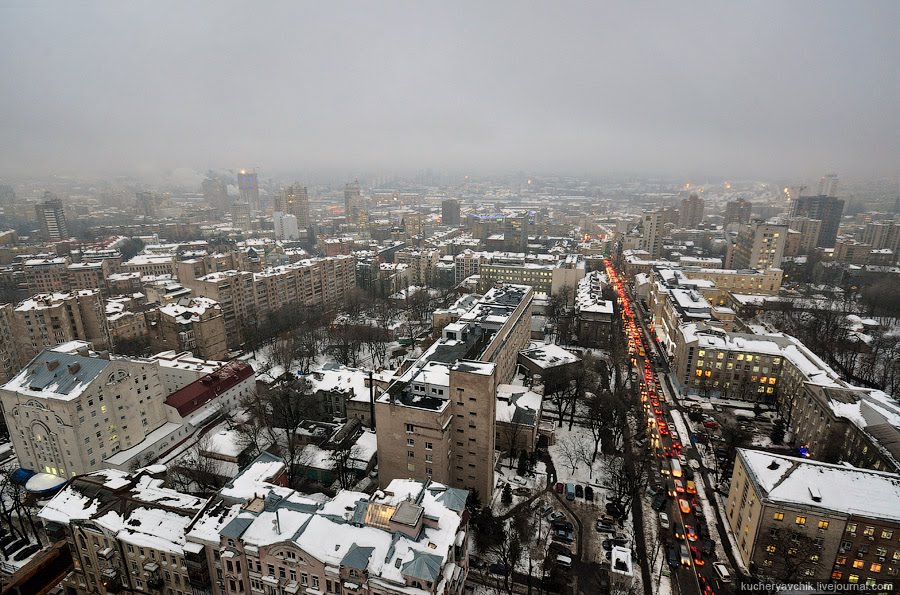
570,491
722,572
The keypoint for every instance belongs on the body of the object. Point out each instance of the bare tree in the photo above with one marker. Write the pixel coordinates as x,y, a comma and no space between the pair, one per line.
627,478
793,553
572,448
342,464
196,473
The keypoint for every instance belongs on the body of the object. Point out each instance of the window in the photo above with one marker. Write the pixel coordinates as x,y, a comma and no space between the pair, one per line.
778,516
410,428
875,567
410,454
800,520
410,442
315,582
823,525
870,531
271,569
858,564
840,561
853,579
837,575
851,528
885,534
429,446
771,549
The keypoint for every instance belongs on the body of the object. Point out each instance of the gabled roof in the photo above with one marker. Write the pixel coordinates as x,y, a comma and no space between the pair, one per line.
357,557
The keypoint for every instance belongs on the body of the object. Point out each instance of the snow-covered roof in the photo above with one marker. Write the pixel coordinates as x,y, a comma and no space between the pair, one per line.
189,309
517,404
809,483
55,375
548,355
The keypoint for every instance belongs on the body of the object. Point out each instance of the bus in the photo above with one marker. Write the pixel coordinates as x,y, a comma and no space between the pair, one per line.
675,467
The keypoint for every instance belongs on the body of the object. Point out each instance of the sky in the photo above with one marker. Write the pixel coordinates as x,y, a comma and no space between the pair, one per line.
737,89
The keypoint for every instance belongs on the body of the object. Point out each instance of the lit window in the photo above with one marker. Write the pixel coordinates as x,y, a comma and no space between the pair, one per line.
800,520
823,524
778,516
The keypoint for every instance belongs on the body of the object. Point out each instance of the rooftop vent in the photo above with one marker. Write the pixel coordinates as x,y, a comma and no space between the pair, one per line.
815,494
73,367
52,364
773,465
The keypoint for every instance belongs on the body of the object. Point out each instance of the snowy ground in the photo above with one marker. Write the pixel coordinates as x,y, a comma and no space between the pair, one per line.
522,487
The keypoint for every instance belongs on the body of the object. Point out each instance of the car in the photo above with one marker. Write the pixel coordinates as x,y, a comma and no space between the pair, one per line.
564,536
570,491
722,572
672,558
609,544
690,487
589,493
556,516
697,508
579,491
546,510
604,527
684,506
688,473
685,555
664,521
683,460
564,525
501,568
697,555
659,502
679,487
564,561
711,424
707,546
615,510
702,529
559,488
678,531
690,533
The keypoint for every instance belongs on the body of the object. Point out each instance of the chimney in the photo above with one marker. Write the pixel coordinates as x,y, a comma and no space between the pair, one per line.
371,399
74,367
52,364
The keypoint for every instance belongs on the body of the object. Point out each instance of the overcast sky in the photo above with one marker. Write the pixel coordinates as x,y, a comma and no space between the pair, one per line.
727,89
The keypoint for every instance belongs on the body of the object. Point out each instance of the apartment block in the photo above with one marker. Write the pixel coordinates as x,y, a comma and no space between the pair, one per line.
437,419
759,246
235,293
796,519
47,275
189,324
46,320
131,538
10,357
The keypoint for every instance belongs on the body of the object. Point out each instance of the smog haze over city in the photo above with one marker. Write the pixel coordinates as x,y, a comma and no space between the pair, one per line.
729,89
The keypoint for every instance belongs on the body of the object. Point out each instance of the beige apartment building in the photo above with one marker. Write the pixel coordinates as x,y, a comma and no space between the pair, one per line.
437,419
46,275
10,357
795,519
710,361
45,320
189,324
67,412
235,293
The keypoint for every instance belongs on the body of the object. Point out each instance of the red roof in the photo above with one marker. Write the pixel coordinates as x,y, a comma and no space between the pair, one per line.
189,398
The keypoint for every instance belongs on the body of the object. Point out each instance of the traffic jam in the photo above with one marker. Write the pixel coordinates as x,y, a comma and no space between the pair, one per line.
682,524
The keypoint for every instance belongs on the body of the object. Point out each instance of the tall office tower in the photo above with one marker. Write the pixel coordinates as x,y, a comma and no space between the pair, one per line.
651,233
51,217
240,216
248,186
450,212
7,195
215,192
827,208
760,246
351,201
294,200
691,213
828,185
737,211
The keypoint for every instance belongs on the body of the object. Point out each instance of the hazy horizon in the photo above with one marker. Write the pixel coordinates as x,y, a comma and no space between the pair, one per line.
762,90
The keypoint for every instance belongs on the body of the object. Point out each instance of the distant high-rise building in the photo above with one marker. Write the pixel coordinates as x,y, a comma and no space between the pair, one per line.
351,201
691,213
828,185
286,227
826,208
52,218
215,192
240,215
810,230
760,246
737,211
7,195
651,233
450,212
294,200
248,186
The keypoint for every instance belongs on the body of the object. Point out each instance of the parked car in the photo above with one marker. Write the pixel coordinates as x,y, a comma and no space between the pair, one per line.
564,536
722,572
659,502
546,510
563,561
608,544
570,491
556,516
664,520
604,527
564,525
559,488
579,490
707,546
589,493
615,510
672,557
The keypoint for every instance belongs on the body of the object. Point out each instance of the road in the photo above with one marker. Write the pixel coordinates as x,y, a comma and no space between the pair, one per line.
658,400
